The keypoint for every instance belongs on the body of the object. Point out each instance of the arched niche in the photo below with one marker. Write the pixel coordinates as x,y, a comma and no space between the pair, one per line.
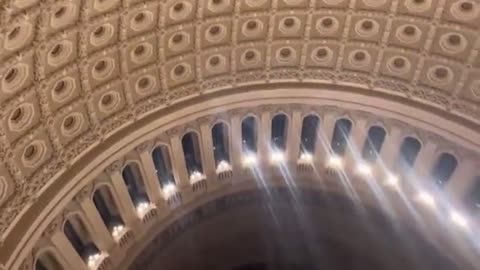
163,165
192,153
47,261
373,143
407,155
107,207
133,179
221,143
80,237
278,139
249,135
443,169
341,133
308,136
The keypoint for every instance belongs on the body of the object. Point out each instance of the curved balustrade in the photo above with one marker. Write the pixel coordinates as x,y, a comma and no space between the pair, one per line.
386,155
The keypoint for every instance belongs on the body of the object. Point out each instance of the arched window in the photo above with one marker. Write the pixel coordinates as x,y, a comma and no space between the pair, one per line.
46,261
279,132
107,208
220,143
163,165
308,137
40,266
249,135
191,151
78,235
134,182
408,154
473,197
444,168
341,133
373,143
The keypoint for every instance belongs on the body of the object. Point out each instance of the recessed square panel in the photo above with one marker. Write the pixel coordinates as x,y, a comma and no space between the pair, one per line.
140,52
452,43
398,64
409,35
327,25
144,83
108,100
180,71
440,75
322,55
361,59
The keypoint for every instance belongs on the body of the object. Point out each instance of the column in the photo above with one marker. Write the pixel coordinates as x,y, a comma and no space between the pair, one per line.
356,140
208,159
180,167
236,152
324,139
264,136
462,179
151,180
293,137
425,160
390,149
66,250
178,161
102,236
126,206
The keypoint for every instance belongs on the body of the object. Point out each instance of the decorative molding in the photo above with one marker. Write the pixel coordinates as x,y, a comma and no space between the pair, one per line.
54,226
86,192
115,167
145,146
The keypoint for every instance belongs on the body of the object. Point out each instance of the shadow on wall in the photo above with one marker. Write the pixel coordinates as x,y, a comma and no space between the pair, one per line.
288,229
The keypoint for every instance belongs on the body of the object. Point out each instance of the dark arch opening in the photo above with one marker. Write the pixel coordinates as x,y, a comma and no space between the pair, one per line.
408,154
107,208
220,143
163,165
308,137
133,179
80,238
373,143
341,133
249,135
279,132
46,261
191,151
444,168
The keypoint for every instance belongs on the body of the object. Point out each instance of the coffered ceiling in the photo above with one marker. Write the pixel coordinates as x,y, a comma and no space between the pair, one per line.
72,73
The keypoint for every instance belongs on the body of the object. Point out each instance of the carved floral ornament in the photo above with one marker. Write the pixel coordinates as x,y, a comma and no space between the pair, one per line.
115,167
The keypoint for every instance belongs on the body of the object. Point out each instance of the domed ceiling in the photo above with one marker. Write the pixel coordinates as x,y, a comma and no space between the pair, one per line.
74,73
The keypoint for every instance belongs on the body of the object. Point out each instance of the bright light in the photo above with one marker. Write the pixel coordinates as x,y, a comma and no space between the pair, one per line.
426,198
392,180
458,219
169,189
249,159
277,156
223,166
92,259
142,207
306,157
335,162
196,176
364,169
117,230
